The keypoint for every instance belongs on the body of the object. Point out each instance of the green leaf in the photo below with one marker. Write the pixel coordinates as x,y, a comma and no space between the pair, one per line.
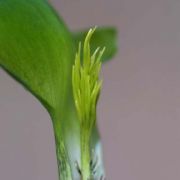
103,37
36,48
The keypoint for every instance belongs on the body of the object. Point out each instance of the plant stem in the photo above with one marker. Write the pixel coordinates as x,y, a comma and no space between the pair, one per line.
85,154
64,169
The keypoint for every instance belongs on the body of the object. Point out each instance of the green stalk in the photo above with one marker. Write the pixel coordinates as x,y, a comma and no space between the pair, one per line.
85,154
64,169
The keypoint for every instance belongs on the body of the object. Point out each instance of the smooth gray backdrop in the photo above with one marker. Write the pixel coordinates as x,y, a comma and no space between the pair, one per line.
139,110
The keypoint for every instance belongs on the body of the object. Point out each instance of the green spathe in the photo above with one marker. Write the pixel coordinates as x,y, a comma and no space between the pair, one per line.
37,49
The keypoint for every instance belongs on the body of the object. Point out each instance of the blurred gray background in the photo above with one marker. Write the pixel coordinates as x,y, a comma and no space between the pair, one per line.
139,110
